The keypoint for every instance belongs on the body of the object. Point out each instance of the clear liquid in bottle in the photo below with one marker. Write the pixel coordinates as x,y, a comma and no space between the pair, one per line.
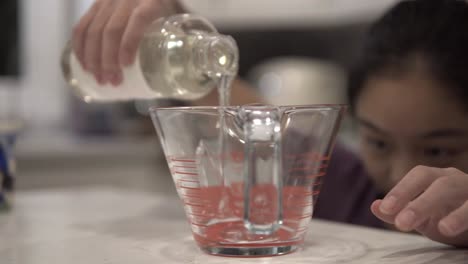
181,57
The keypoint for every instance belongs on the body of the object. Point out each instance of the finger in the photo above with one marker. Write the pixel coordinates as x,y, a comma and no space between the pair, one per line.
433,202
456,222
412,185
93,43
375,209
112,37
138,23
79,32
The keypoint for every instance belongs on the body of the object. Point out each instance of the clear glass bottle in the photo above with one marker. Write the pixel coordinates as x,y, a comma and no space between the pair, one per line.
180,57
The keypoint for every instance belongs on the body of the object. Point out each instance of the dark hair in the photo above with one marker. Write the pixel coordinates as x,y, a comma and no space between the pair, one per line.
437,30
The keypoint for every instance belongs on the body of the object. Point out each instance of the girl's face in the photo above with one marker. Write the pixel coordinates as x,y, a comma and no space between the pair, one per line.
409,121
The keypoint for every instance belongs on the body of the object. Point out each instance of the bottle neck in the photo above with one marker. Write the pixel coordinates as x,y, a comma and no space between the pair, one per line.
216,55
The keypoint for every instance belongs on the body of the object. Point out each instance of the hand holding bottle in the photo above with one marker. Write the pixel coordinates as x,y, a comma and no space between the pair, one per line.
108,35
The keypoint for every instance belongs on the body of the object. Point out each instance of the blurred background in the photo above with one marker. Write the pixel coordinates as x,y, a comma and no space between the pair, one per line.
293,52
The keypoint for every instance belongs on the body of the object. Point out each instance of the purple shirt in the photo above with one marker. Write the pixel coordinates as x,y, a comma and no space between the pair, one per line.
347,192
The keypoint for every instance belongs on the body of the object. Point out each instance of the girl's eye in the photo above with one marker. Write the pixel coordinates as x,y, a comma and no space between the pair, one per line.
438,152
440,156
377,144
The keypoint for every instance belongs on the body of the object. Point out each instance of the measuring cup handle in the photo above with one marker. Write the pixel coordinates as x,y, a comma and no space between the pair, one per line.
261,128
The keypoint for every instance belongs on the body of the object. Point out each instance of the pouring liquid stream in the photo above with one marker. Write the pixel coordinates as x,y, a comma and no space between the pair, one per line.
224,93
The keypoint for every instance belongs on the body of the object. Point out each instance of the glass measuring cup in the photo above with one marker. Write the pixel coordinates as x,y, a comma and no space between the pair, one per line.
248,176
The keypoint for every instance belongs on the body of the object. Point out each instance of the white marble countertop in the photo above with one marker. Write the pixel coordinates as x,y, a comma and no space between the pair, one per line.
125,210
114,225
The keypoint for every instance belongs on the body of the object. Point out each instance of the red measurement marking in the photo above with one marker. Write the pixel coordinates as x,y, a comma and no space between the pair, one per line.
298,202
312,176
198,215
183,160
189,197
185,167
194,198
298,198
296,209
304,205
303,216
306,168
194,205
192,181
195,224
186,173
189,188
196,191
300,195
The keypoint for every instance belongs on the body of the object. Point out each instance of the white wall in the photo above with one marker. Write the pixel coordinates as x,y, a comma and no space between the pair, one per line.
43,95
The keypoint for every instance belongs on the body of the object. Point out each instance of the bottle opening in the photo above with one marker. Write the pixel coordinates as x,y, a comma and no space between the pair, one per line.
217,55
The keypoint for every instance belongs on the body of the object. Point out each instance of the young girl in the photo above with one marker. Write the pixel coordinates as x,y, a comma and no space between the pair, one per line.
409,95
